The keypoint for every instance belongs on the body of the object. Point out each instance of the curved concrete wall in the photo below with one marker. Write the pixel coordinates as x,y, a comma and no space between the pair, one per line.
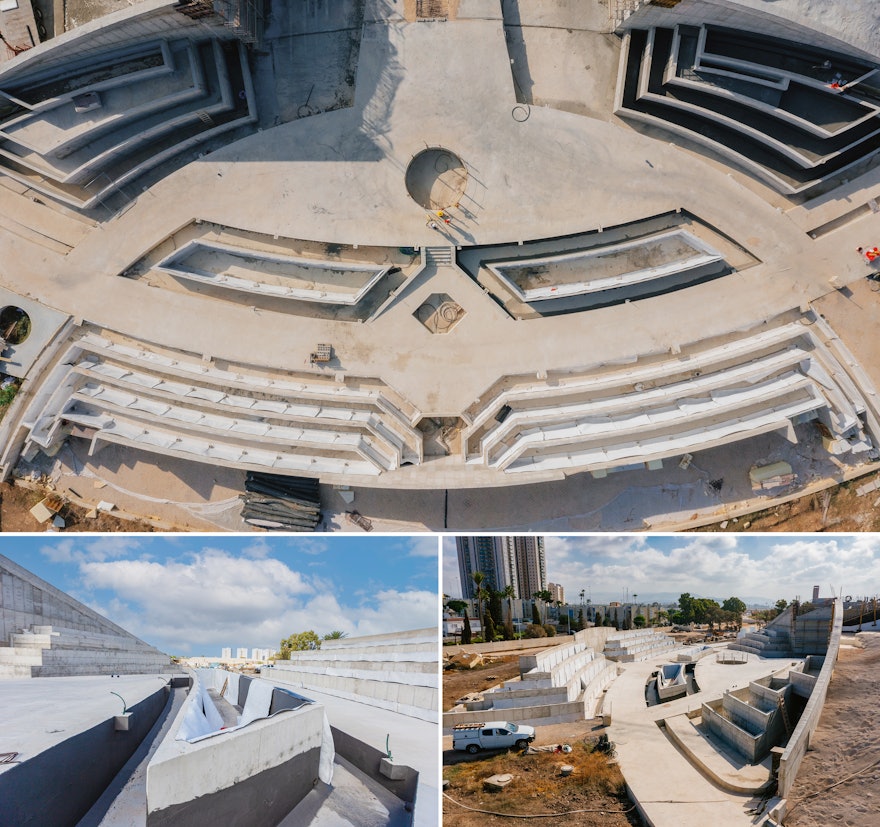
799,742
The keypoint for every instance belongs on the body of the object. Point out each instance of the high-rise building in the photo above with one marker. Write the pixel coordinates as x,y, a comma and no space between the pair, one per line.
241,652
531,568
506,561
557,591
226,652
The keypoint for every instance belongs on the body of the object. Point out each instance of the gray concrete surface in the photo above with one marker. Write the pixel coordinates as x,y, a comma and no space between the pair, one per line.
338,177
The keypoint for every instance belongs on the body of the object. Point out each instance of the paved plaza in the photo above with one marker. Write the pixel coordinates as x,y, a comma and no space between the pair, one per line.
646,273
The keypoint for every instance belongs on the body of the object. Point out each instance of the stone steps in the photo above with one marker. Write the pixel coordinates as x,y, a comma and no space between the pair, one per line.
716,99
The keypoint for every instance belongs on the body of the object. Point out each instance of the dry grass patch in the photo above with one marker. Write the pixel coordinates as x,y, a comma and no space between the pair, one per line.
539,787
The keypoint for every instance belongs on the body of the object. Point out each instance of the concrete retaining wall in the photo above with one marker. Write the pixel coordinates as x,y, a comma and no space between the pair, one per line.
368,760
250,777
60,785
540,714
799,742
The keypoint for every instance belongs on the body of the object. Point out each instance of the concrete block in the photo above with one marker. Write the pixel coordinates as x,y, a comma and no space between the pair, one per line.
391,770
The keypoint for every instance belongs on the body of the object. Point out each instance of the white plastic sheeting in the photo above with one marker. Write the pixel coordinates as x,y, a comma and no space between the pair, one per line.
201,717
257,703
328,753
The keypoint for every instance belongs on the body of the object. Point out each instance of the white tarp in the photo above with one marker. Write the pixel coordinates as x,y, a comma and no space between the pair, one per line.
328,753
257,703
201,716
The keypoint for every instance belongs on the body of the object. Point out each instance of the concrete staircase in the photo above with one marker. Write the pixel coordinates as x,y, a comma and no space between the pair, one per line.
47,651
84,130
768,105
557,685
397,671
107,389
765,380
440,256
753,719
626,647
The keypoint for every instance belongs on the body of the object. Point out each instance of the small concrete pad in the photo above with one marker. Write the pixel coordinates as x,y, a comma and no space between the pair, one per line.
494,783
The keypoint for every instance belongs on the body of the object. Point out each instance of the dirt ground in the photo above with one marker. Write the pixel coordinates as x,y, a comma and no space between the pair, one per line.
837,509
16,502
458,682
839,779
591,796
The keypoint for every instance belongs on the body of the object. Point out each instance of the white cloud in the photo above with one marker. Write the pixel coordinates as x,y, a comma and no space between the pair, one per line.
212,599
423,546
97,549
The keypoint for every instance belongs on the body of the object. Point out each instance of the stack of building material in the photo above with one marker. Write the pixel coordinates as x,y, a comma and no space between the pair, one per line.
281,503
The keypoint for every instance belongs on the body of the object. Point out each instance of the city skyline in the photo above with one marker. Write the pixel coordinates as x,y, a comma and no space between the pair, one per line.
758,569
194,596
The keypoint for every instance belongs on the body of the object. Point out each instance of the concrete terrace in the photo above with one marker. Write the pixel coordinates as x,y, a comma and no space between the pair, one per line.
612,297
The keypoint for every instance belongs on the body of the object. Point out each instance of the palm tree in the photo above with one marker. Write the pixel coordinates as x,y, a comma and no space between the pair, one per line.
335,635
486,624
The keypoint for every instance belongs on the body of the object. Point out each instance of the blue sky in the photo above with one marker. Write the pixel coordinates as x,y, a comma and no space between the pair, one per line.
194,595
755,568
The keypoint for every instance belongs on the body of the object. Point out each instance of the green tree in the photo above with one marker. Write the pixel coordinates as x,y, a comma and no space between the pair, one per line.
686,608
488,628
536,617
781,606
509,593
545,596
580,619
736,607
335,635
639,621
496,608
466,633
299,642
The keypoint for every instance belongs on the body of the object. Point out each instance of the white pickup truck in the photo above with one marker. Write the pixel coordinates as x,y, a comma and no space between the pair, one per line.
491,735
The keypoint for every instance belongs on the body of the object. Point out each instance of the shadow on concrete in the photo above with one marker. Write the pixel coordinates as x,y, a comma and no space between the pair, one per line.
516,49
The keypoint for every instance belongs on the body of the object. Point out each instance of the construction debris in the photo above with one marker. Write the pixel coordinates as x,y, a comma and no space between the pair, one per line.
279,503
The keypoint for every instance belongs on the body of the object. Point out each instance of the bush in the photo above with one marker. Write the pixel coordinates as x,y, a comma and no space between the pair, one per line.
534,630
550,630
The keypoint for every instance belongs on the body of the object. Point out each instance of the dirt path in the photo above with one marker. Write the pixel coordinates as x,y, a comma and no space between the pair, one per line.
845,750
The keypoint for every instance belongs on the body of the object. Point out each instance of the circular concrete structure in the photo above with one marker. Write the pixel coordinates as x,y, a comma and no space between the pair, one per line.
436,179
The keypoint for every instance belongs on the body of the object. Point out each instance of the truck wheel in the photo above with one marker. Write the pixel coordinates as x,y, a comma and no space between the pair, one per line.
473,749
522,745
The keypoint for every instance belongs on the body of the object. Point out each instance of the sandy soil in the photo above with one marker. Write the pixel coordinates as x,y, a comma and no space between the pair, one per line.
838,509
594,796
845,751
458,682
16,502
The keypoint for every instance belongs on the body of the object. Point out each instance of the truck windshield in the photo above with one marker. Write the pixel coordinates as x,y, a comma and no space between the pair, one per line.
513,727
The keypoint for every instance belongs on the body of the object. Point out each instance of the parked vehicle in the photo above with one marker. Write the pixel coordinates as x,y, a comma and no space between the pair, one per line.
491,735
